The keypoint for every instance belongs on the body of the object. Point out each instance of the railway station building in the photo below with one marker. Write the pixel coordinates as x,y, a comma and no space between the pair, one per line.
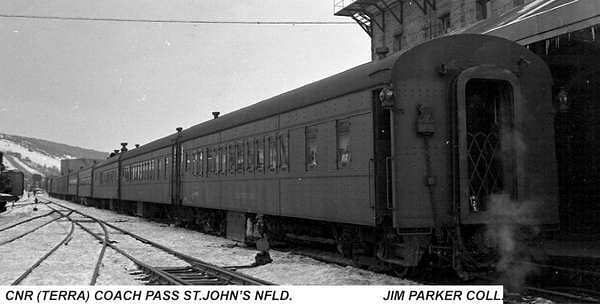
73,165
562,32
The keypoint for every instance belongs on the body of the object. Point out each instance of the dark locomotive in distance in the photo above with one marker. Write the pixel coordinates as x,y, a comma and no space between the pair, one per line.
391,161
11,184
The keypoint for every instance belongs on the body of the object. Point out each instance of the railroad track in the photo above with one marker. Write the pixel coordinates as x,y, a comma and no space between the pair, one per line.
37,263
197,272
566,283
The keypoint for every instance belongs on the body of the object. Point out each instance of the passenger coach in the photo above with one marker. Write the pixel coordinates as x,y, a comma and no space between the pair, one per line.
392,160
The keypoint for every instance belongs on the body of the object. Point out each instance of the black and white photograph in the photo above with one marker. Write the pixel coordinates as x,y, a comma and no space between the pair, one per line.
299,151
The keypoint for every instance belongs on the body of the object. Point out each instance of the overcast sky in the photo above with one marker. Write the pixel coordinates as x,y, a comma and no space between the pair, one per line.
96,84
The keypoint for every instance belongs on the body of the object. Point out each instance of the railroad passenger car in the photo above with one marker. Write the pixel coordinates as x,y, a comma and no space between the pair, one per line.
72,185
60,185
414,154
147,174
84,177
106,179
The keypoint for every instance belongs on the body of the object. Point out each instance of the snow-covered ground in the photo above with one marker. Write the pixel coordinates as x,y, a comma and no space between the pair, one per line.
37,157
73,264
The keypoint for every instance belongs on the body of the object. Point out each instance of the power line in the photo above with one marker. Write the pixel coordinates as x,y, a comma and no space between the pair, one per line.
65,18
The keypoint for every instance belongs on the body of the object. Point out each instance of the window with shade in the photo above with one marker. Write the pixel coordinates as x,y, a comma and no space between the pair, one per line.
344,155
311,134
260,154
223,156
211,161
284,143
250,156
240,157
272,153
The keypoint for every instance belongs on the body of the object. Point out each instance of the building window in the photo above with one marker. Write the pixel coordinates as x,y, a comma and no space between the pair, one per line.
444,24
284,143
260,153
481,9
311,147
343,143
397,42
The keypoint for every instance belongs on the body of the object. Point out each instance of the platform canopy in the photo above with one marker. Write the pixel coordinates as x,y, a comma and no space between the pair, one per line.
540,20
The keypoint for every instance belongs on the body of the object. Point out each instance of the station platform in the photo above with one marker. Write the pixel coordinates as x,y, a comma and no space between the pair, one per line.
575,249
575,246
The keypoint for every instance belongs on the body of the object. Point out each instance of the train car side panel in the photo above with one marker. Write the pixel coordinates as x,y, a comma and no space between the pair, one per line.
146,177
493,168
85,182
105,181
330,155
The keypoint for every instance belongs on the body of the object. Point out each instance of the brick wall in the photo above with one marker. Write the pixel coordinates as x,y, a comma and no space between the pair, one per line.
419,27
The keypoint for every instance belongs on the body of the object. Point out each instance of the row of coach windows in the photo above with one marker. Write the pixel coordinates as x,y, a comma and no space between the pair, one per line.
343,153
106,178
258,154
148,170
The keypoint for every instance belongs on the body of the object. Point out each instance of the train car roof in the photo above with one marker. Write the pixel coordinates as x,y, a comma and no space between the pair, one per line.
362,77
359,78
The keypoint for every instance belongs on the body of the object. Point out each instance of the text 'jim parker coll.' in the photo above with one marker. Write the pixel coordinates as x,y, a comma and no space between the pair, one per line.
250,294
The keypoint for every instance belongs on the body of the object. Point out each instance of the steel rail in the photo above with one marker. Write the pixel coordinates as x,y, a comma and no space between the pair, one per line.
45,256
564,295
30,231
25,221
211,269
105,243
141,264
567,269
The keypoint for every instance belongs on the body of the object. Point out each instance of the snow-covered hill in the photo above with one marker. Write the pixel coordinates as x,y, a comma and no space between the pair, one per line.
37,156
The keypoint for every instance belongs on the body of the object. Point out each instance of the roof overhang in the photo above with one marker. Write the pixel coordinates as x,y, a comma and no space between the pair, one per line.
540,20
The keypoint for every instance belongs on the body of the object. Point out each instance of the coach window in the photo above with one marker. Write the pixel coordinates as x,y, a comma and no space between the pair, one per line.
250,155
152,169
272,153
283,150
232,160
240,157
210,159
223,153
166,167
216,154
343,143
260,154
187,161
200,163
158,164
311,134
